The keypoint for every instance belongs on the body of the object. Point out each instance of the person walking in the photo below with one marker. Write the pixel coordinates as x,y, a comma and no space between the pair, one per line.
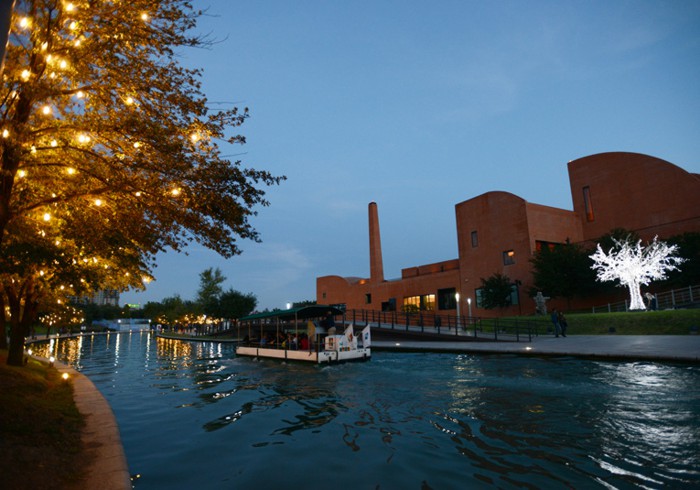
562,324
555,321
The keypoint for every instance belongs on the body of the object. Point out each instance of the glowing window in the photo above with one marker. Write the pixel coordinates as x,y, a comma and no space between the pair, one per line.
509,257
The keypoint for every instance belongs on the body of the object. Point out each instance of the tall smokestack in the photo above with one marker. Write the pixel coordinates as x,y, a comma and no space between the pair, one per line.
376,265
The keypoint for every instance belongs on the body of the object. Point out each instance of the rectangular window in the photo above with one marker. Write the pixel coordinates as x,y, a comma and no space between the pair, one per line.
514,297
368,298
411,303
447,299
479,293
509,257
540,244
590,216
425,302
475,239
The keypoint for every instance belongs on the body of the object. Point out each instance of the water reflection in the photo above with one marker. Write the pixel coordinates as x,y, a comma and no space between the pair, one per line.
429,420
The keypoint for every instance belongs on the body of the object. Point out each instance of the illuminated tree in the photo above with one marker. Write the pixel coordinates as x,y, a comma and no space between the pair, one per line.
634,265
110,152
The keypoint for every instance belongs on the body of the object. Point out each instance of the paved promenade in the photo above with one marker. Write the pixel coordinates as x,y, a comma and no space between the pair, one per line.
108,469
683,348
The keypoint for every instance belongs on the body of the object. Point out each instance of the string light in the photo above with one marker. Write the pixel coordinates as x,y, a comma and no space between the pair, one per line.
24,22
21,173
98,202
70,171
47,217
5,133
46,110
144,17
175,192
25,75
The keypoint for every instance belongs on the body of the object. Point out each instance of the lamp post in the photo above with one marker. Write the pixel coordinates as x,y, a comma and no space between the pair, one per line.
457,299
469,305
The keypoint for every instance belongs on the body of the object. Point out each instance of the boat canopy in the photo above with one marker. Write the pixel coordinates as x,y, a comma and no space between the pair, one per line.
300,313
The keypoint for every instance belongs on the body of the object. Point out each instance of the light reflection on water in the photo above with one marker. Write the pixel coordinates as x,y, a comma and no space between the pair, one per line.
192,415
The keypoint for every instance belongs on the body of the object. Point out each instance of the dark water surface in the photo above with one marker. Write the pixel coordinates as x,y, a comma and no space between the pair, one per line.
192,415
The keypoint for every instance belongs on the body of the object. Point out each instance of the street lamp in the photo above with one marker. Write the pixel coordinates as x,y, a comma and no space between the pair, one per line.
469,305
457,298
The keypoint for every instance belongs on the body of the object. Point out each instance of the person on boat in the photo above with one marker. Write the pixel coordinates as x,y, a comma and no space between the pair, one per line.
304,342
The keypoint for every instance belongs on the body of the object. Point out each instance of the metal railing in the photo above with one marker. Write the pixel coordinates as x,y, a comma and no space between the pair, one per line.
446,327
668,300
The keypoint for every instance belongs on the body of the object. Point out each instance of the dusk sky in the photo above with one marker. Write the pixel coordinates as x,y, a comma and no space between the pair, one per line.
419,106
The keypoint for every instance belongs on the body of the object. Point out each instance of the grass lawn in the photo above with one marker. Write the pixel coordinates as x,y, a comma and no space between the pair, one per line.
667,322
40,428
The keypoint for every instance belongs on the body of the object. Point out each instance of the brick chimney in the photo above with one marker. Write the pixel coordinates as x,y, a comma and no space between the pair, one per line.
376,265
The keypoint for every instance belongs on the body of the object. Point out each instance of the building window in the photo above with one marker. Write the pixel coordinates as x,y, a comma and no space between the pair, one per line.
389,305
509,257
446,299
324,295
475,239
368,298
590,216
479,295
425,302
514,296
540,244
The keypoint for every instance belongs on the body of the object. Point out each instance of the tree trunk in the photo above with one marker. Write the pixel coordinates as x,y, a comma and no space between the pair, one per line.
636,301
15,352
21,317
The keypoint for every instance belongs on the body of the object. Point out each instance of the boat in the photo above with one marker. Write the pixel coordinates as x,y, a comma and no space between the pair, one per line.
318,334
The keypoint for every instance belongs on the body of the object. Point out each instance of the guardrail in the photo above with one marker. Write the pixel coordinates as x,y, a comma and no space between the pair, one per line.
447,326
685,297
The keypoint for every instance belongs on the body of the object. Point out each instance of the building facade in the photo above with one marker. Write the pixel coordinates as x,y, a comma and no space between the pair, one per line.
498,232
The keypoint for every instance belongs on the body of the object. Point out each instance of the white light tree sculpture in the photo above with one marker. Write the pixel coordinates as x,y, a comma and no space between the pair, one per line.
635,265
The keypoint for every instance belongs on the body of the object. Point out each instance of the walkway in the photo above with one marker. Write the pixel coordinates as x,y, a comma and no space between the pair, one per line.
108,469
682,348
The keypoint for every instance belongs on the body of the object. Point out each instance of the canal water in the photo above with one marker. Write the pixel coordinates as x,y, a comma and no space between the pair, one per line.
192,415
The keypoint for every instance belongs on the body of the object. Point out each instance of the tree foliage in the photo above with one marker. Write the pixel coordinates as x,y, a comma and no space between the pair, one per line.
234,304
688,248
210,290
110,153
496,291
170,311
563,270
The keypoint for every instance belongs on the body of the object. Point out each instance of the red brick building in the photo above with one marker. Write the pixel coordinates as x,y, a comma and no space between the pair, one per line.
498,232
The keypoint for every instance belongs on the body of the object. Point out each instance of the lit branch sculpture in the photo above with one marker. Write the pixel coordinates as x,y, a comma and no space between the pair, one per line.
109,153
634,265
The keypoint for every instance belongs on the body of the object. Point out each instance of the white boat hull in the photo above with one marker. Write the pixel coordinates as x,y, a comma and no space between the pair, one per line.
322,357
